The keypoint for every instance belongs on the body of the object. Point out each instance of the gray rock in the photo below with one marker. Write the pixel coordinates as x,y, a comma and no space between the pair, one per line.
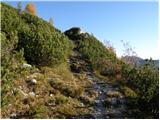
25,65
13,115
121,96
68,61
52,104
32,94
97,102
9,104
37,95
20,87
33,81
107,117
81,104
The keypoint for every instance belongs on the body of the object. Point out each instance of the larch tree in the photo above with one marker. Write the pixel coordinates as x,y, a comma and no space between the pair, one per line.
30,8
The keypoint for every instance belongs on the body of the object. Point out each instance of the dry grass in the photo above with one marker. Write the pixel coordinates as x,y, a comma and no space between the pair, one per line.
113,94
57,94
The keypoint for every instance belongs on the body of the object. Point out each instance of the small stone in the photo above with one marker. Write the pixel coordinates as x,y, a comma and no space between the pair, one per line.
28,77
81,104
51,104
68,61
33,81
32,94
51,95
107,117
37,95
25,65
20,87
13,115
121,96
96,101
9,104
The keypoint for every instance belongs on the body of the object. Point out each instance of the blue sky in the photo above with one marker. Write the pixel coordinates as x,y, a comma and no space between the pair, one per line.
133,22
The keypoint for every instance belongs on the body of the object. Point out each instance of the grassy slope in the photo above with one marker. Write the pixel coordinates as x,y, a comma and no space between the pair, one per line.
57,90
59,94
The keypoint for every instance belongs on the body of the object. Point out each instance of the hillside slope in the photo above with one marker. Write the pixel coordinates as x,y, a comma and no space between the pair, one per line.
104,62
35,36
44,88
49,74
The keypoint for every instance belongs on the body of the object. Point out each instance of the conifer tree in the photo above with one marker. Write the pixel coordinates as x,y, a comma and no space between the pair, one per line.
30,8
51,21
19,7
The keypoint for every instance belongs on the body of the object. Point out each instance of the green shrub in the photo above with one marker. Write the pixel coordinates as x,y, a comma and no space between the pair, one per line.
42,43
99,56
61,100
44,46
11,61
145,82
39,111
10,19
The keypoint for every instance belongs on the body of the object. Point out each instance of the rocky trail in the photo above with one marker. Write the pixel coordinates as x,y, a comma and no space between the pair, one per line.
109,103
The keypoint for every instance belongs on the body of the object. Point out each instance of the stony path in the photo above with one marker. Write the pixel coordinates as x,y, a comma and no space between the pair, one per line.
110,103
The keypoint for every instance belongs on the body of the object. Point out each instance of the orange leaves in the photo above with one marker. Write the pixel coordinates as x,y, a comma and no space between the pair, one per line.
30,8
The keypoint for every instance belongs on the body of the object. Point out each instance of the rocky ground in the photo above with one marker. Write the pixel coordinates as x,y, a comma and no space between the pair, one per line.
56,93
109,102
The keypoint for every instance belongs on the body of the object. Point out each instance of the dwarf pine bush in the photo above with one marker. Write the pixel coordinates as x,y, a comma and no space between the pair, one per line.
42,43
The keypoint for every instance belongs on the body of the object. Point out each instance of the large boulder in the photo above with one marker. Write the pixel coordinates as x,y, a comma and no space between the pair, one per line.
73,33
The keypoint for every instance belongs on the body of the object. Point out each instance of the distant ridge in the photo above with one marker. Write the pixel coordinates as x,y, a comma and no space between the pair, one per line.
138,61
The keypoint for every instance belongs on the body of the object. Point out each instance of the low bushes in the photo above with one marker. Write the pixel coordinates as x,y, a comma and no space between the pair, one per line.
144,81
101,59
11,61
42,43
